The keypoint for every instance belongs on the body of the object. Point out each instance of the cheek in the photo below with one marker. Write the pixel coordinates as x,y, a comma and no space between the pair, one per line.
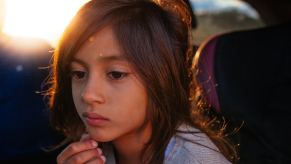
76,93
137,101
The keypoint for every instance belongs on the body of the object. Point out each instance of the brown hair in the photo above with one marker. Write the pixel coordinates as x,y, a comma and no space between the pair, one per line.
155,36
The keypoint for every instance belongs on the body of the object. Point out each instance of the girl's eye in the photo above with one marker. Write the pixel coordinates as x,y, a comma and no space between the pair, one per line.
78,75
116,75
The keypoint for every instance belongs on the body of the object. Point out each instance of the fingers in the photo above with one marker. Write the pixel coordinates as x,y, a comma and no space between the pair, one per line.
86,157
76,148
100,160
84,151
102,157
96,161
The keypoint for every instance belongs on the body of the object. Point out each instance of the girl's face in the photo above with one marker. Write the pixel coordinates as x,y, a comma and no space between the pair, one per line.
108,94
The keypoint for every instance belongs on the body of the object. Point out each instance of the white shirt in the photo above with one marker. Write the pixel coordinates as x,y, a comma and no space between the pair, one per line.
187,146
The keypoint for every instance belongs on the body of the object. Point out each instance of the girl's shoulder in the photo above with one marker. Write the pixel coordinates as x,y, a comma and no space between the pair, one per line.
190,146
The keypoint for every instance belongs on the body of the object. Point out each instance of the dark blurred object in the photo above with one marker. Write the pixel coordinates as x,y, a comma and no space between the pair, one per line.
24,126
194,23
247,77
272,12
193,16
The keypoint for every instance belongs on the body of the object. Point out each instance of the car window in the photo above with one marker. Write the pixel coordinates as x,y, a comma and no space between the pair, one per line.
220,16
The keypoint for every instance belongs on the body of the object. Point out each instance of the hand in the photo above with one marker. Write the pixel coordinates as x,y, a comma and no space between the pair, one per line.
84,151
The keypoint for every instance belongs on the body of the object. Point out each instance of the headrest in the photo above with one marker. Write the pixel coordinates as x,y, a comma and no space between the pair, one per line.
204,64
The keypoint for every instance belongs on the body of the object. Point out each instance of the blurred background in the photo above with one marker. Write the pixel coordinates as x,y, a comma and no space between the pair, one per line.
46,19
220,16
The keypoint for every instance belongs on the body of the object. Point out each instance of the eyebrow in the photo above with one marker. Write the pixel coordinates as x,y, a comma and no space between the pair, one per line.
102,59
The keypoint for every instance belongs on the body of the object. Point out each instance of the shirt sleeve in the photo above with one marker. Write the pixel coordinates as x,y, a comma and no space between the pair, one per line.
193,148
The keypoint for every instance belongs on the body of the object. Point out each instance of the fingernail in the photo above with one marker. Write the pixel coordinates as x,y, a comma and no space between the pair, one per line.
103,158
99,151
94,143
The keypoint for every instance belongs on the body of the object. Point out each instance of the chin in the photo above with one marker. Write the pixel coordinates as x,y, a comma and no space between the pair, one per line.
100,136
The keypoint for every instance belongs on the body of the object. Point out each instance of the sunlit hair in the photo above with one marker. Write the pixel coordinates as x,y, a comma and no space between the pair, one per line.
155,38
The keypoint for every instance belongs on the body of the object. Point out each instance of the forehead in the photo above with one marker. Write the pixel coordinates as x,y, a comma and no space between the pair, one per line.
103,43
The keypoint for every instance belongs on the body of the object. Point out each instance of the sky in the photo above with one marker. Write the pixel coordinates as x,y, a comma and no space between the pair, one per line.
46,19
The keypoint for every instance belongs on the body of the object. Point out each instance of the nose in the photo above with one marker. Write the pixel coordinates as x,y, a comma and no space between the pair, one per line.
93,92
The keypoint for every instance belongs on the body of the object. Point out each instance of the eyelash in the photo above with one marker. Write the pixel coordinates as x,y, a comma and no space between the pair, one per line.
78,75
113,75
120,75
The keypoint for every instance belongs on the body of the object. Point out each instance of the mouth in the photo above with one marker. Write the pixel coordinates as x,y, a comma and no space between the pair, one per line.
93,119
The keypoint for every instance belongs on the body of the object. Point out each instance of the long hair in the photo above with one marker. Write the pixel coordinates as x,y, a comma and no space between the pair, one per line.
155,36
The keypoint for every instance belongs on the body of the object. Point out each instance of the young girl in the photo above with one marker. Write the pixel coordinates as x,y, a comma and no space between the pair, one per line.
122,87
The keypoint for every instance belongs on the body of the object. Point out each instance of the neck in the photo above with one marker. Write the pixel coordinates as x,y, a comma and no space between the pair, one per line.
129,147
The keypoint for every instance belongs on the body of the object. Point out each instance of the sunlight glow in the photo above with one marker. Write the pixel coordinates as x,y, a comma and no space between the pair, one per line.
45,19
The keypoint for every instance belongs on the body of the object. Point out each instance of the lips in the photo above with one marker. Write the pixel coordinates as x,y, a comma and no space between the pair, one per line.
94,119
